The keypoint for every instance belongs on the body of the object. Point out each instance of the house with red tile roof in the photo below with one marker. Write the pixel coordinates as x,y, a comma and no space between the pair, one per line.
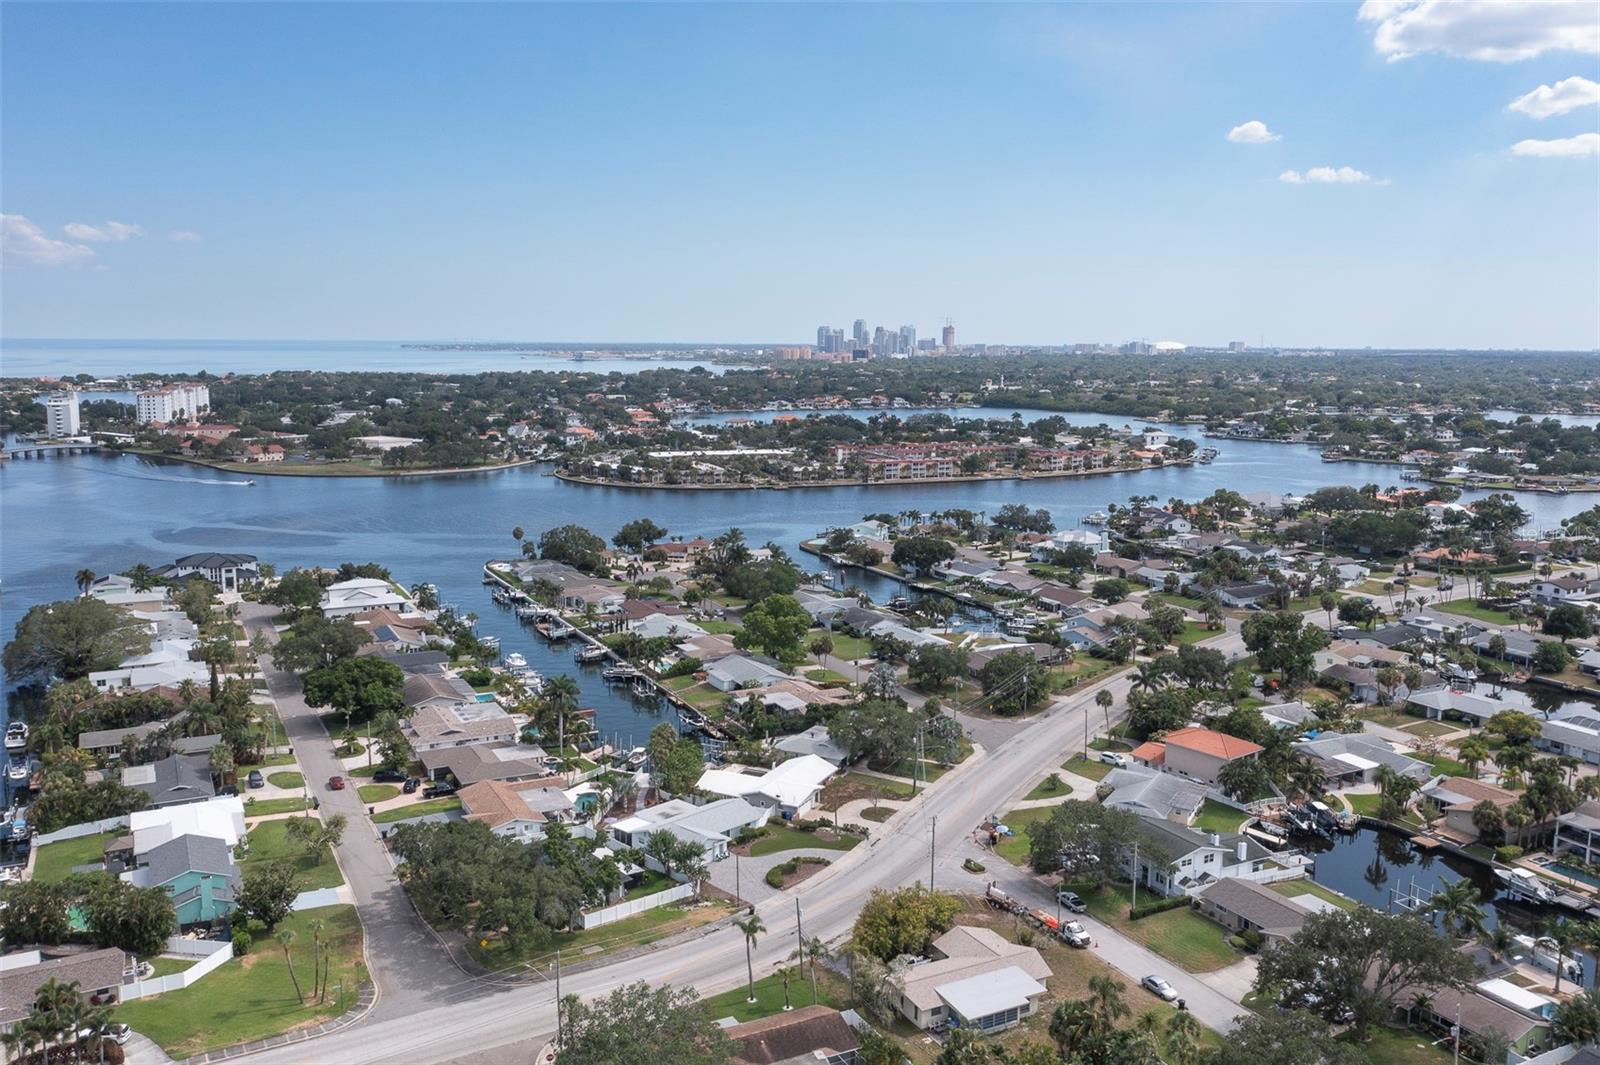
1198,753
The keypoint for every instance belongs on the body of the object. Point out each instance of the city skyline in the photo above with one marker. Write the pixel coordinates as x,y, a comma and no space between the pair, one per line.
1420,175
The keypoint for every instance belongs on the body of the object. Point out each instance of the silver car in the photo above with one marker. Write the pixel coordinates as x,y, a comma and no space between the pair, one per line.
1160,988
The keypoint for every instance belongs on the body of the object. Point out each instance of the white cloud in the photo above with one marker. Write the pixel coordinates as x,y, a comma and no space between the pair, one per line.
183,236
1499,31
1546,101
110,233
1327,175
1252,132
1564,148
22,241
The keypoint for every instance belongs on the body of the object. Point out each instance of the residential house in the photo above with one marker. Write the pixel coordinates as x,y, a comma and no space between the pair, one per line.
196,872
1243,905
166,664
712,826
119,591
894,629
1578,832
975,979
107,743
1520,646
433,689
809,1035
173,781
229,572
1173,860
1572,730
97,974
1458,797
1476,704
1096,540
813,741
486,761
1060,598
1245,596
357,596
673,626
795,696
982,656
1554,591
1145,791
220,818
791,787
733,672
1354,758
519,810
1199,753
431,728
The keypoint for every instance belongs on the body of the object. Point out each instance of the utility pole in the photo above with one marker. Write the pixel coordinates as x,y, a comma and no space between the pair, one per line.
736,881
1455,1031
933,835
799,933
1133,901
558,1000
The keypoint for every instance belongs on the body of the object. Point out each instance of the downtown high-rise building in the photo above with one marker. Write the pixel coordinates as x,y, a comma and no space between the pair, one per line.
908,339
858,333
949,336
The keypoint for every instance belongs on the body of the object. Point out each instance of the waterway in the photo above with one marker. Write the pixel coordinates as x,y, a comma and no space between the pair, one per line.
107,513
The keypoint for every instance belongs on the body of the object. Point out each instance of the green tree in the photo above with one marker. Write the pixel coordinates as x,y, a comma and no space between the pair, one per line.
1081,839
1295,1037
137,920
574,545
1014,683
1567,622
642,1025
636,535
820,646
775,625
902,921
315,642
931,666
879,731
1551,657
71,639
1285,643
358,688
296,591
268,893
677,761
919,554
752,927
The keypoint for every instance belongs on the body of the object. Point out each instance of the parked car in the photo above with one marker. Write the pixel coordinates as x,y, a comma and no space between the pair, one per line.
1075,934
336,783
117,1033
411,785
388,776
255,779
1071,901
1159,987
1115,758
437,789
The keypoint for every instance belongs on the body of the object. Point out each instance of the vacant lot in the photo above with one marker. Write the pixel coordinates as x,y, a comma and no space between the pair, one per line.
270,842
56,860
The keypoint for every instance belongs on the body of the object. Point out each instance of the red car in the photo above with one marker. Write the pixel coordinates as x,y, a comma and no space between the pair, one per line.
336,783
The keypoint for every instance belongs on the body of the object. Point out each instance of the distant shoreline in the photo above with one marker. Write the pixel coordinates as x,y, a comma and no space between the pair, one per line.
857,483
266,469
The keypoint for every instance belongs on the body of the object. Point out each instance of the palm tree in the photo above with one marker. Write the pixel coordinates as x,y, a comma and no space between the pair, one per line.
1458,909
811,950
1577,1020
84,578
1564,935
1105,995
751,926
1473,752
1072,1024
1183,1038
317,926
143,577
1104,699
286,938
1148,677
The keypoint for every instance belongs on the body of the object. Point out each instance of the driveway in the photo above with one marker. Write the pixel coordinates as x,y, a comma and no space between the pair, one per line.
411,966
745,877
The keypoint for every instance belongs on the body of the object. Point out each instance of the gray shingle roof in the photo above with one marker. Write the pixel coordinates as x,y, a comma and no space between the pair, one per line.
188,854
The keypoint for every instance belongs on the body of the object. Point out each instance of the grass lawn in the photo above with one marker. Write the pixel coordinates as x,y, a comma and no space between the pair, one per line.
1014,848
1394,1046
848,647
650,883
635,931
1430,729
168,966
1083,767
700,696
1219,817
253,997
850,786
824,675
832,990
1449,766
1468,609
1194,632
1049,788
719,628
377,792
1365,805
271,760
1082,669
1181,935
418,809
1291,889
878,814
784,838
263,807
269,842
54,861
286,780
362,771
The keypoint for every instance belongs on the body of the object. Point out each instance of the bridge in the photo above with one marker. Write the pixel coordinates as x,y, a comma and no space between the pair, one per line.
42,451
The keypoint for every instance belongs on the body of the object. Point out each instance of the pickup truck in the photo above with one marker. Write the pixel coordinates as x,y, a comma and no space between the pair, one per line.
1071,901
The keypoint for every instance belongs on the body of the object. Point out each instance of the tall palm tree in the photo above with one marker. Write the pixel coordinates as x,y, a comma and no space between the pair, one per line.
286,938
1104,700
1105,995
317,926
810,952
1458,909
1183,1038
1564,935
1072,1024
751,926
84,578
1148,677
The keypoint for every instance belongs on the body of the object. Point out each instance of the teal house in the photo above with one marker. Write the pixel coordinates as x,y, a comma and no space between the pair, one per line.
196,871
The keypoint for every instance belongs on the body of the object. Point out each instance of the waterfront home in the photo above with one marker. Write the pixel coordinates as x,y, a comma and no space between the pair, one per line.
107,743
790,787
1476,705
228,572
976,979
982,656
508,762
1173,860
795,697
1458,797
434,727
97,974
1354,758
1096,540
1572,730
119,591
221,818
362,594
900,632
733,672
1198,753
824,607
173,781
1554,591
673,626
707,648
1520,646
413,662
1158,520
1145,791
1589,661
392,631
813,741
432,689
520,810
196,872
809,1035
1242,905
1445,1008
712,825
165,664
959,569
1578,832
1359,683
1061,598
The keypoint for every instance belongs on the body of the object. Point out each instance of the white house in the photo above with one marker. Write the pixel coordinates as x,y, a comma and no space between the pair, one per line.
1174,860
222,818
1098,541
362,594
733,672
226,571
712,826
1553,591
167,663
790,787
976,979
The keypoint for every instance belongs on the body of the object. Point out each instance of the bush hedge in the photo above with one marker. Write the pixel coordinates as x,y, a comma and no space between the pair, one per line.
776,874
1507,854
1150,909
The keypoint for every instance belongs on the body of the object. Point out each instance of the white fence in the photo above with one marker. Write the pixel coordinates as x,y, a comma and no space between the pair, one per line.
596,918
211,952
88,828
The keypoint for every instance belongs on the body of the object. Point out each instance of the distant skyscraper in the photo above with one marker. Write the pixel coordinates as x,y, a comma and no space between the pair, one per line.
949,335
859,332
61,414
1236,345
880,340
836,340
908,338
823,332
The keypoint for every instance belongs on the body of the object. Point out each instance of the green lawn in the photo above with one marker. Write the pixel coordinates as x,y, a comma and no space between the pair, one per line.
1049,789
253,997
825,676
769,996
271,760
54,861
878,814
646,927
718,628
1290,889
1394,1046
263,807
847,646
1365,805
269,842
1083,767
168,966
377,792
1449,766
1181,935
418,809
649,884
1468,609
362,770
286,780
1014,848
1194,632
784,838
1219,817
1430,729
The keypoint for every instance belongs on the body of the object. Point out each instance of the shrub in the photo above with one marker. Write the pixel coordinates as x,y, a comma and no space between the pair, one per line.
775,875
972,866
478,676
1237,943
1251,938
1024,936
1507,854
683,667
747,835
242,942
1150,909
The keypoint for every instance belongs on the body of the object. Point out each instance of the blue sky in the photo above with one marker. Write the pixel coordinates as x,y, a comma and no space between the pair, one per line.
747,172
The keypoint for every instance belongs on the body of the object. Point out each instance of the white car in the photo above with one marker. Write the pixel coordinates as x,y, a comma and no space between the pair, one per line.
1160,988
1114,758
1074,934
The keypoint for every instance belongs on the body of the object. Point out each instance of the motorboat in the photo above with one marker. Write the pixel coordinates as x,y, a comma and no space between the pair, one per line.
591,653
17,771
1207,455
621,674
1526,886
17,736
515,661
1099,517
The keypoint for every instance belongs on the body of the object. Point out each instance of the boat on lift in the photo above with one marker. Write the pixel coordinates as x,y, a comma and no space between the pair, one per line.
516,660
1099,517
17,737
623,674
1526,886
591,653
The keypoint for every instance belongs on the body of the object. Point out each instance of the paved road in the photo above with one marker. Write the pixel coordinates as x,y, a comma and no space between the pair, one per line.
412,968
482,1016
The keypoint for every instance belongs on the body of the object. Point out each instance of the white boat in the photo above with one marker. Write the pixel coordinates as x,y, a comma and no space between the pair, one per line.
17,736
1097,518
591,653
18,770
1525,886
515,661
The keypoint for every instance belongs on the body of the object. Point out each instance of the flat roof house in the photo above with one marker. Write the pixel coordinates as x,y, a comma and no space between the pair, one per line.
712,825
361,594
1573,730
222,818
976,979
